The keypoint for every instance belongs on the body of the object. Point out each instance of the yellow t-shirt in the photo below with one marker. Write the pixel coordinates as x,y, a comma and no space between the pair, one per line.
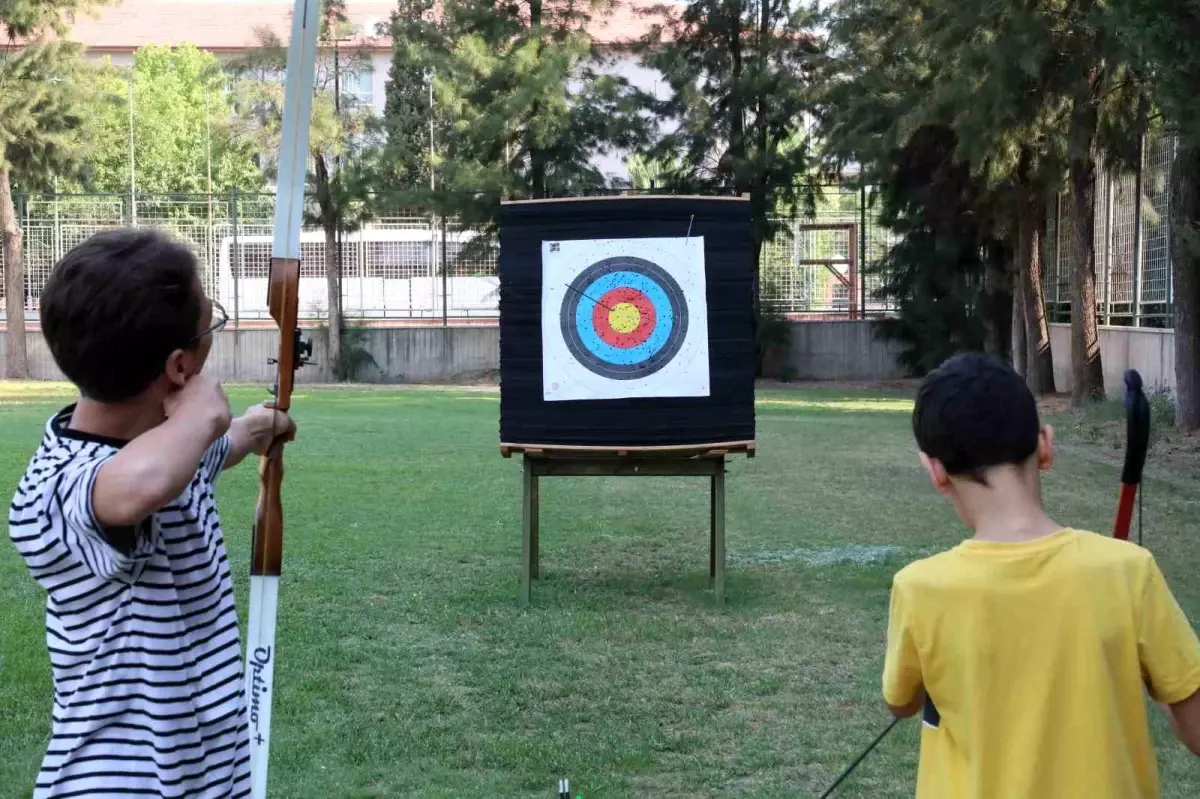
1035,655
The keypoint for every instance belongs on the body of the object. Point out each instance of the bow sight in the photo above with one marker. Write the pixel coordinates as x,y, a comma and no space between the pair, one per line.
302,349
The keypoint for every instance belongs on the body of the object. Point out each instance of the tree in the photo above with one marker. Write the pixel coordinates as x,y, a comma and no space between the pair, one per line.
947,275
521,104
338,135
409,125
1035,94
183,136
741,76
646,173
40,120
952,274
1162,42
1064,101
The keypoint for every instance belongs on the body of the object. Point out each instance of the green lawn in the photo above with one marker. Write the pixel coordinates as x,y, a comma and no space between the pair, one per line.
406,667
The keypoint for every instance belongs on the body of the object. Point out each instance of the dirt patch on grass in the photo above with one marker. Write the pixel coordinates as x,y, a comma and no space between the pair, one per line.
1052,404
1100,432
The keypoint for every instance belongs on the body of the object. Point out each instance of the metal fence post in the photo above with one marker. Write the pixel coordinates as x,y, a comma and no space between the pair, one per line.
235,258
445,280
862,250
1109,183
1137,231
58,243
26,283
433,272
1170,321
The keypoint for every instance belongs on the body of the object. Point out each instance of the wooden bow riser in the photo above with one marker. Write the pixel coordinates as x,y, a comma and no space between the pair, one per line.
282,297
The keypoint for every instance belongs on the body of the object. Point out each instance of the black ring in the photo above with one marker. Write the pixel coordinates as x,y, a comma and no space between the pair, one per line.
655,362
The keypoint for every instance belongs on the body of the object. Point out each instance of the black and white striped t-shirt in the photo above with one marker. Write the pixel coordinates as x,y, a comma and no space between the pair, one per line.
141,629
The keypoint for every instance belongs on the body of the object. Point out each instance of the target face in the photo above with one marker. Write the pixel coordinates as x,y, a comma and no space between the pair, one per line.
624,318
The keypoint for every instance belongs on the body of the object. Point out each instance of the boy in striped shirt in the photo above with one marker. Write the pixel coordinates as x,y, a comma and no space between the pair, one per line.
115,519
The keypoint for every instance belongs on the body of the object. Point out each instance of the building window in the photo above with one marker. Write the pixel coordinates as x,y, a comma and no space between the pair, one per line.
360,84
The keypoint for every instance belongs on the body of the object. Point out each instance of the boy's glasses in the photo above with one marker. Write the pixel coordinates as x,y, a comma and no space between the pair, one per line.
220,317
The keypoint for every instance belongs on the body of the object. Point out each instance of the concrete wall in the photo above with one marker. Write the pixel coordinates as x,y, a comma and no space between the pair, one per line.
402,355
832,350
1150,351
841,351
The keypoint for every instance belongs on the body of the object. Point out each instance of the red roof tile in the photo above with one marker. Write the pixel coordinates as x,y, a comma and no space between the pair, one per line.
224,25
209,24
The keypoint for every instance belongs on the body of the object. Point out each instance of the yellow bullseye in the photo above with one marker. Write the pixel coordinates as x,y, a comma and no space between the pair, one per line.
624,317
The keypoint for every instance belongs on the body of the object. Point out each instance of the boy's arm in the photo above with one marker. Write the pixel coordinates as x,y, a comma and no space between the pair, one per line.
253,432
912,708
1170,655
154,468
903,688
1184,718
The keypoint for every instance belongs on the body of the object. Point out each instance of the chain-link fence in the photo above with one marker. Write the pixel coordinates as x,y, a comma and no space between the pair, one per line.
394,267
1132,244
815,266
409,268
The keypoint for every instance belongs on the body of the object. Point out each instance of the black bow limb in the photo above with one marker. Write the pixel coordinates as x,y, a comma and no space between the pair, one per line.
1137,442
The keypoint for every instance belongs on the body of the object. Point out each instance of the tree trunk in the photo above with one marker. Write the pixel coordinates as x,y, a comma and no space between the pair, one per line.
17,366
327,203
1185,247
1020,359
334,283
1087,372
537,155
737,99
998,291
759,194
1039,358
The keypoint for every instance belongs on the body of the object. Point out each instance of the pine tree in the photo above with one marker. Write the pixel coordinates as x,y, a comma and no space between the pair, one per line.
408,127
1162,43
1035,95
40,119
955,264
339,132
938,275
1044,86
521,103
741,76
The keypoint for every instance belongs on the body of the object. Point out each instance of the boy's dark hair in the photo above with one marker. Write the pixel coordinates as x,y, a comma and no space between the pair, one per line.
974,412
116,306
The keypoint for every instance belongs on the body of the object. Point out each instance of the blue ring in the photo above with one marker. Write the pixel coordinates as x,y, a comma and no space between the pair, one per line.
664,318
675,308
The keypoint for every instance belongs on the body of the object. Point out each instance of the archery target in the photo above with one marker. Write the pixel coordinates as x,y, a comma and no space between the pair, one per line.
624,318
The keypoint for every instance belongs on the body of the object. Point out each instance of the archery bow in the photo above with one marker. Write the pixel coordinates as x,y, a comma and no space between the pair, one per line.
1137,433
266,560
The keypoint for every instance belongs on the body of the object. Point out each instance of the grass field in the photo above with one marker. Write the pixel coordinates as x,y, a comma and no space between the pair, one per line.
406,667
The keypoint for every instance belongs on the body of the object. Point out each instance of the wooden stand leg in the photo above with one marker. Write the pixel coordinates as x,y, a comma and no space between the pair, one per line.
533,529
712,530
527,511
718,533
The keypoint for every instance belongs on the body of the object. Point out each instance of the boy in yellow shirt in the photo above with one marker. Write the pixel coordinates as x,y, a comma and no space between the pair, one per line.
1028,646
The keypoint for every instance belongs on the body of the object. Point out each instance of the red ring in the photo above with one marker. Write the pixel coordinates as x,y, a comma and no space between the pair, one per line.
615,338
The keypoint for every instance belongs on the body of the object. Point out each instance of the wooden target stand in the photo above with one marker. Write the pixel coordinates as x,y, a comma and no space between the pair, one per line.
704,460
